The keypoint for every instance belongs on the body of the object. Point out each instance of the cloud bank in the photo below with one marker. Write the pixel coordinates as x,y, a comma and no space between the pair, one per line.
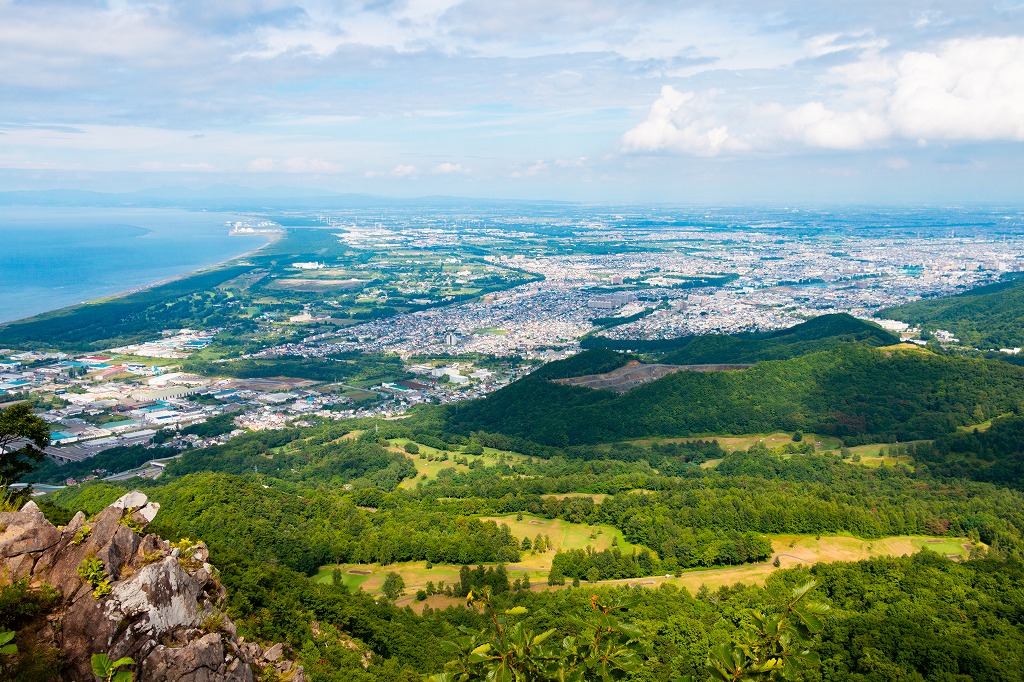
968,90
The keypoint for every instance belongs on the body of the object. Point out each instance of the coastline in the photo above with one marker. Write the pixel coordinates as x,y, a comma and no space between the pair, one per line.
273,238
277,236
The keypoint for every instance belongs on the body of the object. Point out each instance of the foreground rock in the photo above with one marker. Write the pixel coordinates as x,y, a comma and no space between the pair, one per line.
144,598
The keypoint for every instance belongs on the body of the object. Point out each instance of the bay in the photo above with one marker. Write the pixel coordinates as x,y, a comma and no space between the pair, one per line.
54,257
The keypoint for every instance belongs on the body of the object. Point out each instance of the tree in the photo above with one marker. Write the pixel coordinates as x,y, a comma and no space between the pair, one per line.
23,437
393,586
412,448
555,576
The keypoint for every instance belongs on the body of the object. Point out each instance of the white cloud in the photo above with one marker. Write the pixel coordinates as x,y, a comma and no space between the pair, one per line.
399,171
449,168
684,122
404,171
818,126
897,163
264,164
531,170
822,45
537,167
201,165
301,164
968,90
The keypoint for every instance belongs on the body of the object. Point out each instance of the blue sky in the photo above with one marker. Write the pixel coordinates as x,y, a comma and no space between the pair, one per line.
595,100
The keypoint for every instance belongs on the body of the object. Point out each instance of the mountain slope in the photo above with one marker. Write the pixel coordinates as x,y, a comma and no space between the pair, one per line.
820,333
855,392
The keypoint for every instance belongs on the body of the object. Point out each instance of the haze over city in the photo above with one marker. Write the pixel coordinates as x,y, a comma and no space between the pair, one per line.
586,100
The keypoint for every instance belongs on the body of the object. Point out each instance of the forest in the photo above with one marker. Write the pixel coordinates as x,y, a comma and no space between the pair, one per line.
838,392
348,367
549,507
268,531
133,318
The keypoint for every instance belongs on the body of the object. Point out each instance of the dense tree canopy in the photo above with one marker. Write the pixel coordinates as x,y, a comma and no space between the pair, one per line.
857,393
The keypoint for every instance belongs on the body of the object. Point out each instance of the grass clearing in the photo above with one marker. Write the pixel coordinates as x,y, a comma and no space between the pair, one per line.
353,578
564,536
983,426
427,470
596,497
745,441
875,462
792,550
806,550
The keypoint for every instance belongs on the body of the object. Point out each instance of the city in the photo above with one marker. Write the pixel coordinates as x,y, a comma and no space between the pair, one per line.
618,281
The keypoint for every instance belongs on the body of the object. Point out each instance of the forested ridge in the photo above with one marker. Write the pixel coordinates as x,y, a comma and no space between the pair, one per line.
857,393
820,333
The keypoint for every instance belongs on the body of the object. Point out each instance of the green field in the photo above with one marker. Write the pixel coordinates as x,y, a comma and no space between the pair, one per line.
732,443
792,550
427,470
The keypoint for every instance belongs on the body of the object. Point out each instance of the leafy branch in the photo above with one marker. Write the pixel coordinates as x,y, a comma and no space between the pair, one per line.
108,671
770,647
607,648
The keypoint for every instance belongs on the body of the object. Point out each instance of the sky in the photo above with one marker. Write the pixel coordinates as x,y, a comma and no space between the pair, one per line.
728,101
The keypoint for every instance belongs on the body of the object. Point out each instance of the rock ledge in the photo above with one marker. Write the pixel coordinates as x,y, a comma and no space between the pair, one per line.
162,605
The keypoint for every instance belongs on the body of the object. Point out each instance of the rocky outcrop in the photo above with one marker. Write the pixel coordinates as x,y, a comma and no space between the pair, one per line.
144,598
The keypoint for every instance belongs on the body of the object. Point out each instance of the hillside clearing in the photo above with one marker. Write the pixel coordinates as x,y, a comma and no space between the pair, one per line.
792,550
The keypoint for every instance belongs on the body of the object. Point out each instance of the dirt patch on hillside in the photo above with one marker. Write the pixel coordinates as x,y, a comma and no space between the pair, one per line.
634,374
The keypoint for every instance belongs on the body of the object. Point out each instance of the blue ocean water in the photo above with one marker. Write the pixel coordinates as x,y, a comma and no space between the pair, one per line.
54,257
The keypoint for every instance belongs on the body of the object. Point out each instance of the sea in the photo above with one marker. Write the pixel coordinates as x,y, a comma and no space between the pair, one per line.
51,257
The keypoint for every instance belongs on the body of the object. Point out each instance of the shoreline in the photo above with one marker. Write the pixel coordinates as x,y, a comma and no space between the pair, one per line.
277,237
273,239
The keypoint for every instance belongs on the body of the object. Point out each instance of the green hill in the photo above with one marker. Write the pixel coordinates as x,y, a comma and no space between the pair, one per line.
854,392
990,316
820,333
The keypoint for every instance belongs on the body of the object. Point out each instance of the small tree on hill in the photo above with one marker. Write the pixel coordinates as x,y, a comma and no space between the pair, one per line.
393,586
